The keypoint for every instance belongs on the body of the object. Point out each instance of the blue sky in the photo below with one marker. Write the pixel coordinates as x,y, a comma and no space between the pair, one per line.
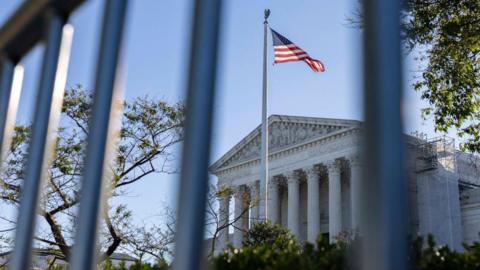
156,61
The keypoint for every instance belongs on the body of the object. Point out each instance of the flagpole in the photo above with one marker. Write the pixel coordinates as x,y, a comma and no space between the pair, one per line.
264,131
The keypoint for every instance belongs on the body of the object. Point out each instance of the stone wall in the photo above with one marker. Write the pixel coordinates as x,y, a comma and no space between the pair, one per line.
470,203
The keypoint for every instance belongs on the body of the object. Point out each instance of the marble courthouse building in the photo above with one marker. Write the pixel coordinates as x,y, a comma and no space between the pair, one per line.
314,182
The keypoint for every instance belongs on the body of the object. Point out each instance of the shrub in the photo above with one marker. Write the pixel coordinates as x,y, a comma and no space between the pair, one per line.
138,265
428,256
322,255
160,265
266,233
268,247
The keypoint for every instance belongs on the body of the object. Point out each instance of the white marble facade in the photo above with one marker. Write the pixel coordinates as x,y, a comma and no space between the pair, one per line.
314,181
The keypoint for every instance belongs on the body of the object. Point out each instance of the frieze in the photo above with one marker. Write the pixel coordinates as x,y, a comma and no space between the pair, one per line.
239,168
281,136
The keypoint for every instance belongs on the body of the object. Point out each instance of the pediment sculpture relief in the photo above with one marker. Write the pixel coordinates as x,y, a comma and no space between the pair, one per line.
281,135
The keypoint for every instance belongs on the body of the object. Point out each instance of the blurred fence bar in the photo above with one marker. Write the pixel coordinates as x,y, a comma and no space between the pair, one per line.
10,112
384,190
198,128
33,22
100,132
6,79
42,144
26,27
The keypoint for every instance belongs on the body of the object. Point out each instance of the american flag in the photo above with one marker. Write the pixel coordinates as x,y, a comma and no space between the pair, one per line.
287,51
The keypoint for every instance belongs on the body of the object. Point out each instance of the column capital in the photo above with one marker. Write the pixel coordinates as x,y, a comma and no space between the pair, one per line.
238,191
253,189
312,172
333,167
292,177
224,191
272,182
355,161
223,199
252,185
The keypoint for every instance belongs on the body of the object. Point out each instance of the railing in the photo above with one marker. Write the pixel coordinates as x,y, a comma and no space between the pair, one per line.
45,21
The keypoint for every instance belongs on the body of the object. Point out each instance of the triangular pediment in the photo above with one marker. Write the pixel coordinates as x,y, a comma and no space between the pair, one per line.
284,132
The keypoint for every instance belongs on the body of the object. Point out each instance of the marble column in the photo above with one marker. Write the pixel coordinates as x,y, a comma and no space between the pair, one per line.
293,203
254,201
273,201
313,203
355,182
222,240
238,216
334,200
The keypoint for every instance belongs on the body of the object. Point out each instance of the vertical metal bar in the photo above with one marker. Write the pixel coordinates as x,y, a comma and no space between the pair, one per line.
384,189
8,110
100,131
6,78
47,113
196,148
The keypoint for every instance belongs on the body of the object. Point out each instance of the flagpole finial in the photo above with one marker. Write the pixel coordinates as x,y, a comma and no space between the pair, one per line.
267,14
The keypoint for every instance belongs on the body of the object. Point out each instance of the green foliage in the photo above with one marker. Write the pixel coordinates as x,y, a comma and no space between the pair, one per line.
138,265
160,265
269,246
121,266
322,255
266,255
446,34
223,191
271,235
428,256
108,264
55,267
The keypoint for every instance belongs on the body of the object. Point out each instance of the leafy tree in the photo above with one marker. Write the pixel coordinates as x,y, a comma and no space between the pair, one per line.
150,131
444,36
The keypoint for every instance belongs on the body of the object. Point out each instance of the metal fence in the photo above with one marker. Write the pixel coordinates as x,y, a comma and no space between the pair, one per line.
45,21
